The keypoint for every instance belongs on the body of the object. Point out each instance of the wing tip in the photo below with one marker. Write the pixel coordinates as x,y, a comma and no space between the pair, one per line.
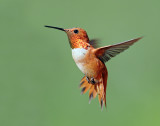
139,38
136,39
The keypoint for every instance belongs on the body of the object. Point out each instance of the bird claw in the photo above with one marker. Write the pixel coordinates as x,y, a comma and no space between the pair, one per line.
87,78
92,81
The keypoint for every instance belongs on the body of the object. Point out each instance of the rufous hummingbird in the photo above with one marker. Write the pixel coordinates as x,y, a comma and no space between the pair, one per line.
91,61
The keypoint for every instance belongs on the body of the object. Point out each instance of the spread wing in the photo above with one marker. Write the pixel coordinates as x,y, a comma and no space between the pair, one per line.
94,42
107,52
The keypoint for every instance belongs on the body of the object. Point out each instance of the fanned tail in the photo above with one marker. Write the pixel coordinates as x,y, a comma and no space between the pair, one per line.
88,86
94,89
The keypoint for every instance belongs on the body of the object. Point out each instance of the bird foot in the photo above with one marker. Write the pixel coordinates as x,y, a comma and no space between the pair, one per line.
92,81
87,78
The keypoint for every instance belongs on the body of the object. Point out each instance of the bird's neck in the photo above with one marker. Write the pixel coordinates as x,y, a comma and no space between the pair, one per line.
78,43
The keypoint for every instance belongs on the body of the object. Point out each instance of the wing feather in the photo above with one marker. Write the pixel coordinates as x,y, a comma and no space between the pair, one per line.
94,42
107,52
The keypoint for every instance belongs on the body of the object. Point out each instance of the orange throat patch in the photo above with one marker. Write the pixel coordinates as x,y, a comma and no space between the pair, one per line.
79,44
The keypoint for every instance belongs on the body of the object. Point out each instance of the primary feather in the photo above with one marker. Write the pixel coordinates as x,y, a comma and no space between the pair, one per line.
107,52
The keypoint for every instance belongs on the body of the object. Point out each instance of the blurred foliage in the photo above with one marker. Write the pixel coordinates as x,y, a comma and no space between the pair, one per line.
39,79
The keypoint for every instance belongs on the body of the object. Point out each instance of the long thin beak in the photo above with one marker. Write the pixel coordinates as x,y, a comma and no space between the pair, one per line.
54,27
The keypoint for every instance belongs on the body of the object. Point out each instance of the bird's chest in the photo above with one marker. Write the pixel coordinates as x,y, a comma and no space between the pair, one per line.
79,56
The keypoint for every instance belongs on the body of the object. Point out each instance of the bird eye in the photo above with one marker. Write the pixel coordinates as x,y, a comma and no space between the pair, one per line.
76,31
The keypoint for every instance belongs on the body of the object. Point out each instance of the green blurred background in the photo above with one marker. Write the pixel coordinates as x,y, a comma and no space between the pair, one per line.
39,79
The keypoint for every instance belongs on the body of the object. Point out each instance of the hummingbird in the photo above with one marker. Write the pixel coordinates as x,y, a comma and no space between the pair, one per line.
91,61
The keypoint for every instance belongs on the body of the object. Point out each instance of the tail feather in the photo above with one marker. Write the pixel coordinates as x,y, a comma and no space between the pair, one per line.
91,90
84,85
85,89
105,77
94,89
101,95
91,93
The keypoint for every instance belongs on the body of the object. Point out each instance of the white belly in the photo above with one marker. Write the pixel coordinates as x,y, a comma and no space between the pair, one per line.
79,54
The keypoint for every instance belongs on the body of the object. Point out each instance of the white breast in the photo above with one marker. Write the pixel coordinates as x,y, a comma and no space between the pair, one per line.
79,54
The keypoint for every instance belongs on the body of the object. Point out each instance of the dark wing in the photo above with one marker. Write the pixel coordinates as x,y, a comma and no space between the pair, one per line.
107,52
94,42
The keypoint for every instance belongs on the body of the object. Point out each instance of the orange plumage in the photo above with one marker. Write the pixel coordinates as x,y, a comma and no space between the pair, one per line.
91,61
